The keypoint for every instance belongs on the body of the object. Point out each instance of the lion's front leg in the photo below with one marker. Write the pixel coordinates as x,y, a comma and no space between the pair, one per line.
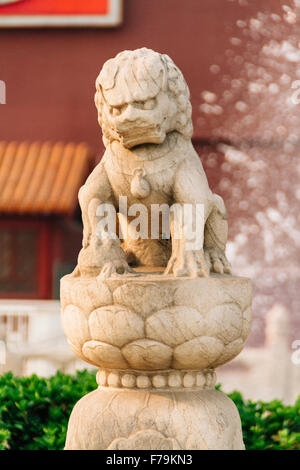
215,238
188,257
101,251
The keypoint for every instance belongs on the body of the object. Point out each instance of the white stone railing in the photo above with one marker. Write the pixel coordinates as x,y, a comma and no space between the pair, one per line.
20,321
32,340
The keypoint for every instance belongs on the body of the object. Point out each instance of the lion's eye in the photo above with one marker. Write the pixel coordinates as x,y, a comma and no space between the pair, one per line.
149,104
138,105
116,111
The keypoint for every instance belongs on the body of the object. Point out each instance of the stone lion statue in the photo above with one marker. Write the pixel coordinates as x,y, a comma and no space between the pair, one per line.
145,113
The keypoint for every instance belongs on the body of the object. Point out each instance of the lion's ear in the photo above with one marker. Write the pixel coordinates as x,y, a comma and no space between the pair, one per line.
107,76
173,71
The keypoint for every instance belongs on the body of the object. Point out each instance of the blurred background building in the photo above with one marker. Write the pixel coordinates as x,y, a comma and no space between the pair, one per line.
241,60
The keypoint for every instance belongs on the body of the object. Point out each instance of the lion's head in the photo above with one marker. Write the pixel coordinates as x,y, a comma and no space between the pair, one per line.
142,96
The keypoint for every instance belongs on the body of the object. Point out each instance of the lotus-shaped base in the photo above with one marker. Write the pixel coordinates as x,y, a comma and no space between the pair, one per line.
152,322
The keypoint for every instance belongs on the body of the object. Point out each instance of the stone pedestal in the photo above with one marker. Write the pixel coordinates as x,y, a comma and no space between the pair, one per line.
154,420
157,340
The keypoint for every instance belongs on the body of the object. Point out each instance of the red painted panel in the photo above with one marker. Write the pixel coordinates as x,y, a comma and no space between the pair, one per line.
45,260
63,7
13,284
42,275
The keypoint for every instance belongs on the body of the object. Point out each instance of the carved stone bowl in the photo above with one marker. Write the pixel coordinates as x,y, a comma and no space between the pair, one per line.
152,322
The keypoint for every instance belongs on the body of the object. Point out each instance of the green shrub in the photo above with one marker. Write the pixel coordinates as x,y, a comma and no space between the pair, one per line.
34,414
269,425
34,411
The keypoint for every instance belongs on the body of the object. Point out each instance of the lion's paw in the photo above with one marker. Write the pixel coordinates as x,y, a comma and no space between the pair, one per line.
218,261
189,264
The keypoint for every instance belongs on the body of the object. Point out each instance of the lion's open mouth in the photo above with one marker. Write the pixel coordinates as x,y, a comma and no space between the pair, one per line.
142,135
